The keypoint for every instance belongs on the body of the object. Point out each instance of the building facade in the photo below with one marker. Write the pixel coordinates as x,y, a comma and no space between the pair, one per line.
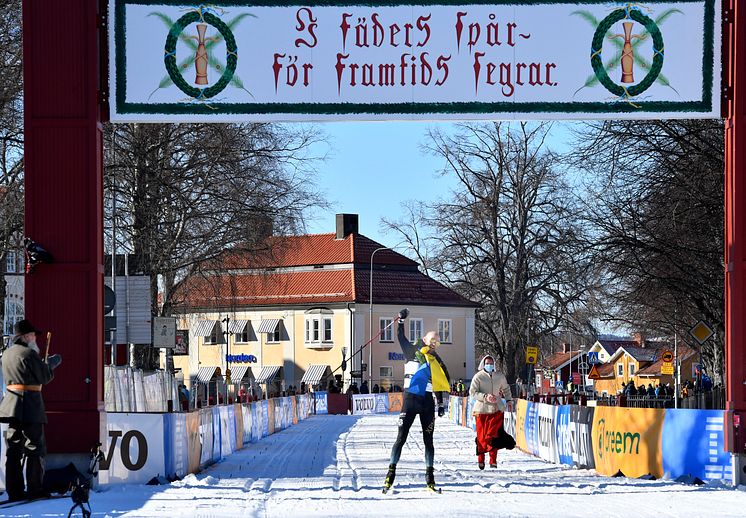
302,312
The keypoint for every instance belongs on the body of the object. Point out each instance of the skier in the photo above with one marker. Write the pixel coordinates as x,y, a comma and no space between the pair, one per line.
424,374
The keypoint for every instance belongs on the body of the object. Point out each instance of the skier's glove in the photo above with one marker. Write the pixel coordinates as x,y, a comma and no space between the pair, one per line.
441,411
404,313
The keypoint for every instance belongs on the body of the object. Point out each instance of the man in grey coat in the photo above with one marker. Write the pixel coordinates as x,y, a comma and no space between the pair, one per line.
22,407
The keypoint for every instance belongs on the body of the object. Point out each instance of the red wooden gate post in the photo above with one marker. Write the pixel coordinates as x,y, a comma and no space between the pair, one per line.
734,80
64,197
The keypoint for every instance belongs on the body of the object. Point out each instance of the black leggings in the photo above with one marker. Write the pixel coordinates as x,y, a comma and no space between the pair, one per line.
425,407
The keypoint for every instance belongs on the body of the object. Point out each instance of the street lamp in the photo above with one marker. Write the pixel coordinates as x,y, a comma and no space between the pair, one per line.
370,319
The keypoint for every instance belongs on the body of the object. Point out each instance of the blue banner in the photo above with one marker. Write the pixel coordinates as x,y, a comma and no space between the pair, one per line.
564,436
265,417
321,403
693,444
232,427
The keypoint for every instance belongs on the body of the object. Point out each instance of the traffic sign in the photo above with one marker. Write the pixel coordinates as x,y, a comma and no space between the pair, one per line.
559,385
701,332
532,354
594,374
667,368
593,358
576,378
667,357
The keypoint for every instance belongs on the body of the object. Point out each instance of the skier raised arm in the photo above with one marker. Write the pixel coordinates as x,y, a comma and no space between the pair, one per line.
425,374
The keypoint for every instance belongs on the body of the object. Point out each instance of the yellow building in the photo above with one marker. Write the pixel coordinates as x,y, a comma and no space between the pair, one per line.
293,313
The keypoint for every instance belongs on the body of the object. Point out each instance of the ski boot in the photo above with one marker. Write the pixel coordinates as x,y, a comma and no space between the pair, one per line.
390,476
430,480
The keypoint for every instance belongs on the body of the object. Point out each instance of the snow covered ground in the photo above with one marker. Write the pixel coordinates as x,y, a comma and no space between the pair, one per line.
335,466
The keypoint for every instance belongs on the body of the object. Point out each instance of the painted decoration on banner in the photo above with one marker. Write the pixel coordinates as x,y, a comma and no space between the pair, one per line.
134,450
396,402
628,440
564,435
693,444
486,59
521,409
217,436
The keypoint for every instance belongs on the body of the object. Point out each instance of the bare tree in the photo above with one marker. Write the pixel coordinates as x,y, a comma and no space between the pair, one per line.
186,192
655,203
11,136
507,237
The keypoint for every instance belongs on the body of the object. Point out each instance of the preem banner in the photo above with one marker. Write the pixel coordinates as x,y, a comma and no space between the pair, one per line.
175,61
628,440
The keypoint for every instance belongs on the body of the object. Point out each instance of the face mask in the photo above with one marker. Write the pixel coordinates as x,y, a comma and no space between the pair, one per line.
489,367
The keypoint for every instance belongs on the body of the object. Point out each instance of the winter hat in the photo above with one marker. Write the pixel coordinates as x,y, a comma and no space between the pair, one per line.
24,326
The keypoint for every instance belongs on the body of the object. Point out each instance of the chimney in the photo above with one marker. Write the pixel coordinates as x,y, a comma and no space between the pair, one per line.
565,348
346,225
639,338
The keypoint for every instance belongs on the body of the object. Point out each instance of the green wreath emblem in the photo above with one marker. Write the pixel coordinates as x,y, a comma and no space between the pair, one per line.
170,55
597,43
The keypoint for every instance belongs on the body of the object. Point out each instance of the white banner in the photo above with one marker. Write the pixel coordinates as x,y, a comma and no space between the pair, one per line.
238,61
370,404
134,450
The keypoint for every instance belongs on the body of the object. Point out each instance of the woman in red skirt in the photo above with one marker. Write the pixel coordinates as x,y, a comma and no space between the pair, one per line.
492,394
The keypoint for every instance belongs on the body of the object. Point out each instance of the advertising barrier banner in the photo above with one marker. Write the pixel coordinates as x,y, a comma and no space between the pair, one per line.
531,428
628,440
227,431
238,440
217,438
396,402
693,444
581,420
363,404
266,419
134,450
546,437
176,445
564,435
320,403
194,442
521,409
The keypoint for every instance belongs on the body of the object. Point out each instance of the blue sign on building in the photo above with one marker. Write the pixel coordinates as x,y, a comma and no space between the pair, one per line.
396,356
240,358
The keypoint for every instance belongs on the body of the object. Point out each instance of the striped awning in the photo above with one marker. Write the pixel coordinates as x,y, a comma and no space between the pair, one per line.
205,327
268,326
237,326
239,372
206,374
314,374
267,374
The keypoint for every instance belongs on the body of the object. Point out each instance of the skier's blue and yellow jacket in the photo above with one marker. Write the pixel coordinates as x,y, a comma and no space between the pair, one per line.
425,371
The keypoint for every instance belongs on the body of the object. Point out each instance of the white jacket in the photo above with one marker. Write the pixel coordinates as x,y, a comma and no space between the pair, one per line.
484,383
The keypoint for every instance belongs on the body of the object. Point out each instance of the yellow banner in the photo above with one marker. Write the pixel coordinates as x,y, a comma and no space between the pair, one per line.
628,440
520,422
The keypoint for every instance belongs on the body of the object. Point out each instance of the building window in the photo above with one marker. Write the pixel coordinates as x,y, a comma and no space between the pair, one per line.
385,372
244,336
275,336
415,329
216,336
387,330
631,369
620,370
318,329
10,263
444,331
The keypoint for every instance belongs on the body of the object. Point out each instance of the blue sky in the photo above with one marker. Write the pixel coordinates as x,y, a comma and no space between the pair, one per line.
375,166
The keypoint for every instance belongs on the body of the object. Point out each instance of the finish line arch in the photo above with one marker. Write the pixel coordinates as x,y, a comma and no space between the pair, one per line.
66,100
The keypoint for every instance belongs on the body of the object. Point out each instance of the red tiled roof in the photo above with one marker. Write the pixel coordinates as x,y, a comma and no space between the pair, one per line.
405,286
396,279
558,359
280,288
313,249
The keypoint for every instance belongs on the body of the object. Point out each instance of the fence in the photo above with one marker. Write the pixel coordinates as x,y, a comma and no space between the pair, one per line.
130,390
